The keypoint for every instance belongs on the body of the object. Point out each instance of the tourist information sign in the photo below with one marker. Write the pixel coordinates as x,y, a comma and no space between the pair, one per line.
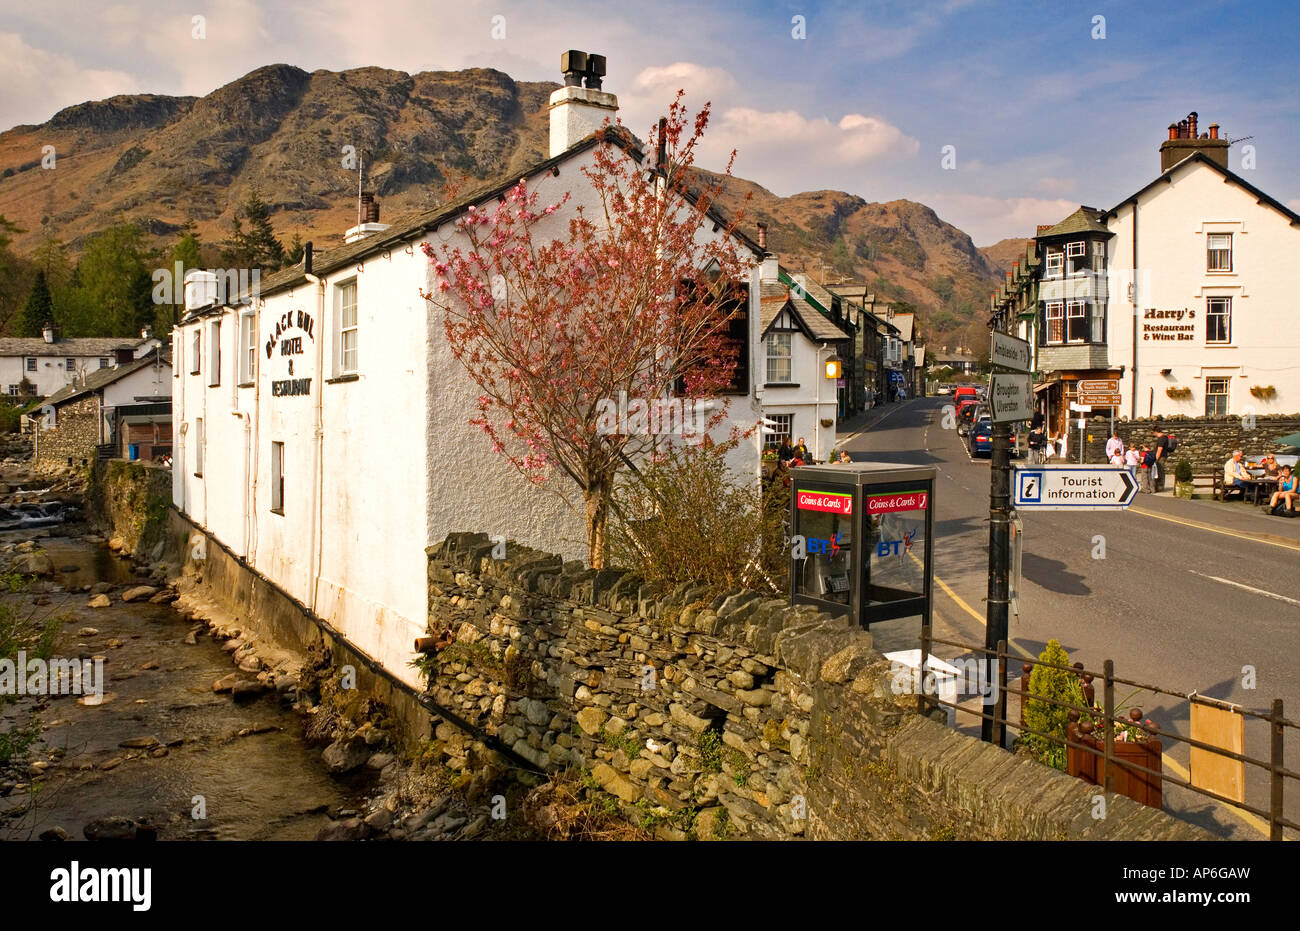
1074,488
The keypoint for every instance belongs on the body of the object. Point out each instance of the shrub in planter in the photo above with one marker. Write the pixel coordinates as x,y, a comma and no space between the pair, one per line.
1183,485
1062,686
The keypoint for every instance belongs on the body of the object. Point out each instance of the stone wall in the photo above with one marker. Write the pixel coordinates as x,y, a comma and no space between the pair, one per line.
1207,442
129,501
727,716
73,438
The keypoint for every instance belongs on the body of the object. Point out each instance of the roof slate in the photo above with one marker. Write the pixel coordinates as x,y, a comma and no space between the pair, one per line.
105,376
78,346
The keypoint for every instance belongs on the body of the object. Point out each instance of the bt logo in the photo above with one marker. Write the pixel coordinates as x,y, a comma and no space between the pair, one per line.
827,547
896,547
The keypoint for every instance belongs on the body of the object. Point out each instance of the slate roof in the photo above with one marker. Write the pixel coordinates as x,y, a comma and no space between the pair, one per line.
400,235
63,348
1083,220
774,297
102,377
1228,175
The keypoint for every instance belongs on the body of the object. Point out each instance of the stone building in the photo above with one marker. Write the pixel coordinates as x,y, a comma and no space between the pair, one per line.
50,363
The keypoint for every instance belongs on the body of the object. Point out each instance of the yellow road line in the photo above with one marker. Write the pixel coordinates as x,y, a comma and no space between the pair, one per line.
1250,820
1268,539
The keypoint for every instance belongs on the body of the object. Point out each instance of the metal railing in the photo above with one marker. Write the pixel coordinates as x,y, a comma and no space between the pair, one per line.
1104,718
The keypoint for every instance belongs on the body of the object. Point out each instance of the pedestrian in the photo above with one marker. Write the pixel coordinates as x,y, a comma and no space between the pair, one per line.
1162,454
1114,449
786,452
1131,457
1145,466
801,452
844,456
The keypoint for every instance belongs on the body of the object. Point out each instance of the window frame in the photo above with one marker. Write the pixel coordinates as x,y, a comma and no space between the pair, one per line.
1082,315
771,342
1226,382
247,347
1210,253
1226,316
104,362
30,364
214,353
1049,317
277,477
1059,270
341,291
196,351
199,440
69,364
773,440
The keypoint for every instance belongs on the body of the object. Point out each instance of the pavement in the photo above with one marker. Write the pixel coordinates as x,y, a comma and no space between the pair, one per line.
1195,595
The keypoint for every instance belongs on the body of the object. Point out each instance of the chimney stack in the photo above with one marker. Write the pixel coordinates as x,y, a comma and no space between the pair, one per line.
48,332
577,111
762,236
369,220
1183,142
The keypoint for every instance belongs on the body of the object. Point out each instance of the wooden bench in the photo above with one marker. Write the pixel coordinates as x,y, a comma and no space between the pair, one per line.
1220,491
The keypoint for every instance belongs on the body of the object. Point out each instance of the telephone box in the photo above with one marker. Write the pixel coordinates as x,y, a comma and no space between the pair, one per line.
868,539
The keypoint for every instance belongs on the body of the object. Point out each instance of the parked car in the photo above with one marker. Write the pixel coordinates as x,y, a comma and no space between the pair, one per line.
980,440
966,409
944,390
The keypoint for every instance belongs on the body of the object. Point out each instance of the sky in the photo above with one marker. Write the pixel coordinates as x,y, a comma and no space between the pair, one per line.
1044,105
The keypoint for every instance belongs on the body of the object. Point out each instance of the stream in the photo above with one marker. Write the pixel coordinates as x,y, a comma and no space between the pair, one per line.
161,748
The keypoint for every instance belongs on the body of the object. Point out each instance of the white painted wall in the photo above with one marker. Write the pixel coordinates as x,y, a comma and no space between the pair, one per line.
1173,220
814,399
51,372
398,466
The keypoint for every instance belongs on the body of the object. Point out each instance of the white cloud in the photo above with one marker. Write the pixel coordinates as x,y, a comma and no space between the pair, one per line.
989,219
39,82
699,80
1052,185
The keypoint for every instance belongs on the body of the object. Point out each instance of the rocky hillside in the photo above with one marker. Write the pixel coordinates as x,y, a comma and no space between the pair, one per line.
161,162
1001,254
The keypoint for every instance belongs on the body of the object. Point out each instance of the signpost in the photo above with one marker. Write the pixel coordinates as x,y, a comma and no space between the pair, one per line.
1075,488
1011,397
1099,393
1010,353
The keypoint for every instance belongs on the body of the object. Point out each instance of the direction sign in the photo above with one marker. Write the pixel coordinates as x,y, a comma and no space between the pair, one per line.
1102,392
1010,353
1074,488
1011,397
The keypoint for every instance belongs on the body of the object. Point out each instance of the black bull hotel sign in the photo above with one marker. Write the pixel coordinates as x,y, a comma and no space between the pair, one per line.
291,346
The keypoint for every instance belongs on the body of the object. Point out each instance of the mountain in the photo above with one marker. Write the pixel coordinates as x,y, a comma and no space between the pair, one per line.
1002,253
165,162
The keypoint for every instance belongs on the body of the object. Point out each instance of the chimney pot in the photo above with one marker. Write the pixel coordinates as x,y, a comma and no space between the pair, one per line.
1191,124
1173,130
574,65
595,70
1214,130
762,236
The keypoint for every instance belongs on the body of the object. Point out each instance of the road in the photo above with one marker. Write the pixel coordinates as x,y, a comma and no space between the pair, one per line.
1187,596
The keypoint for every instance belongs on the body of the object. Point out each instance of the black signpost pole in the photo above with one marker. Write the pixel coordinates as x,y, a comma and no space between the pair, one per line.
999,558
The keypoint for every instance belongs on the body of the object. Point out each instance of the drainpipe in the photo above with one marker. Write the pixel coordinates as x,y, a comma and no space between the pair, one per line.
318,477
1136,313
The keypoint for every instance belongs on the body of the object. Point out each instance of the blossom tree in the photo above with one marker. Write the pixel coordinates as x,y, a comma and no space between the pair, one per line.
560,323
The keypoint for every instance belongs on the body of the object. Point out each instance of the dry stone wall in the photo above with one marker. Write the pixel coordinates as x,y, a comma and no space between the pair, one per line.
733,715
1207,442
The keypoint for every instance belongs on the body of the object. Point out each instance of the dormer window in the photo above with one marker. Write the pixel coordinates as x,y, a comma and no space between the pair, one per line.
1053,264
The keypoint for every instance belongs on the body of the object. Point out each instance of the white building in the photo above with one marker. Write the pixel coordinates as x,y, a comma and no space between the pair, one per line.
1206,326
321,428
798,341
50,363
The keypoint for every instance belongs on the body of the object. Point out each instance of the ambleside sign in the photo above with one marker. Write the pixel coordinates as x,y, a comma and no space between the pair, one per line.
897,501
828,501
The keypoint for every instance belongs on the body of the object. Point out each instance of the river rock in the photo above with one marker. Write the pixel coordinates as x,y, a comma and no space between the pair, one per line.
242,689
380,820
140,743
55,833
114,827
33,564
163,598
343,756
351,829
87,631
100,588
139,592
378,761
69,569
225,683
99,601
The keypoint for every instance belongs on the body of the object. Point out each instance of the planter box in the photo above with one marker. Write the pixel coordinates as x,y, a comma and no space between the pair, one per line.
1184,489
1090,767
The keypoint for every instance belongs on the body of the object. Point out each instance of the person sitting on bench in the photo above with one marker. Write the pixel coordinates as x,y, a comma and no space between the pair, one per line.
1235,474
1288,490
